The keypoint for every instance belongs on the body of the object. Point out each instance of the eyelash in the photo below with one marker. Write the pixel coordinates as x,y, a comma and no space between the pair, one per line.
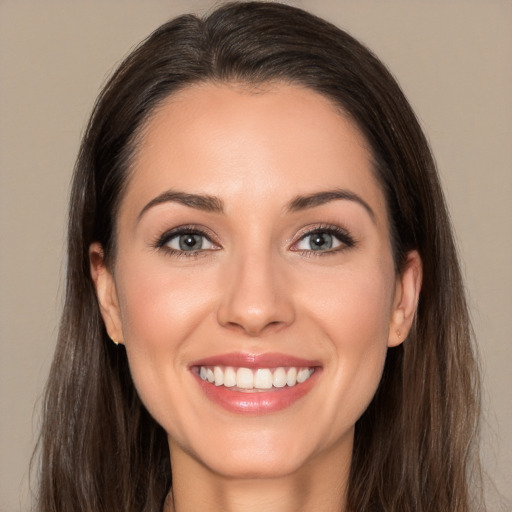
342,235
163,240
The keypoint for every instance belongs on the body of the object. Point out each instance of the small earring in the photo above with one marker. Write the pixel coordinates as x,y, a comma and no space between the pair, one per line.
398,333
114,341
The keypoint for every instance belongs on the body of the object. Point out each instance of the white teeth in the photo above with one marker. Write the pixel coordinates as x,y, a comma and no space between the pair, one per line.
291,376
218,375
279,378
229,377
303,375
244,378
261,378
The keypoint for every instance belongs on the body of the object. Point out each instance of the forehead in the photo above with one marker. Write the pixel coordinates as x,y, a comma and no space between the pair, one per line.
260,145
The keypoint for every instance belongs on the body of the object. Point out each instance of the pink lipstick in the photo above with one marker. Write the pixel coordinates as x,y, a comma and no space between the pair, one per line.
255,383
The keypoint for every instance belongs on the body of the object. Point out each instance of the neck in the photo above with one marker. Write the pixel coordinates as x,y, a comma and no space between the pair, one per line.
319,485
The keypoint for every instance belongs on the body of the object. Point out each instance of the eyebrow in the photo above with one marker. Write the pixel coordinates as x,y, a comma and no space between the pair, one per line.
214,204
319,198
200,202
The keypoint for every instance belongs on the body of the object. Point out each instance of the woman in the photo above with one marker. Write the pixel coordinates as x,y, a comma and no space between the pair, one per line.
264,307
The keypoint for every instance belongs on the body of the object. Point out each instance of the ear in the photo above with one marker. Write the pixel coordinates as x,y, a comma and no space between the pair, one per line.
407,292
106,292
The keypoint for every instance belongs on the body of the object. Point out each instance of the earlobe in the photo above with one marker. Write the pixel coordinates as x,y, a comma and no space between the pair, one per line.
106,292
407,293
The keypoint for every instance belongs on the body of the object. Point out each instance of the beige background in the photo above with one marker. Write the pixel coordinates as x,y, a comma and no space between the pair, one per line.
454,61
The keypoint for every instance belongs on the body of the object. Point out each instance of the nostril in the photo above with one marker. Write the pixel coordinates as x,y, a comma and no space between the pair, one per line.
255,329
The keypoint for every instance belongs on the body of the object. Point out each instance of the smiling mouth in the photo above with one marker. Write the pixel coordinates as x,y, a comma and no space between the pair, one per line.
254,379
255,384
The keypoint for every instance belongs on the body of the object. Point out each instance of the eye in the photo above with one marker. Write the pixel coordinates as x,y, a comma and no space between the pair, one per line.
320,240
185,241
189,242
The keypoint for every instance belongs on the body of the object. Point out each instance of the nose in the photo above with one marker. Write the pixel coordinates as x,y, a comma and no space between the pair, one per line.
256,298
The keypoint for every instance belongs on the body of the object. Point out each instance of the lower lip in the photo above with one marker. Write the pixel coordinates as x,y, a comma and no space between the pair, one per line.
257,402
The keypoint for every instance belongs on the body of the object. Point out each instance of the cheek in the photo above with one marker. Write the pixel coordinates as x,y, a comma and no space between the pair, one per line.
160,311
353,305
353,312
159,306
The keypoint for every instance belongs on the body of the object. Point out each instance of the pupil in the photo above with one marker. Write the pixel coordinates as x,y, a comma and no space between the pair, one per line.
190,242
321,241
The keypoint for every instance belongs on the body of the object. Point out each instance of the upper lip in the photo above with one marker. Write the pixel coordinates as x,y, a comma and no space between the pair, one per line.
247,360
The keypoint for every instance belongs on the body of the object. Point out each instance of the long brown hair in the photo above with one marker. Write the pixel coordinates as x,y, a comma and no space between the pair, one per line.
414,446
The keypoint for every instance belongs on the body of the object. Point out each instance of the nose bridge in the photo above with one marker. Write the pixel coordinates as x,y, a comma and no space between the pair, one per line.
253,298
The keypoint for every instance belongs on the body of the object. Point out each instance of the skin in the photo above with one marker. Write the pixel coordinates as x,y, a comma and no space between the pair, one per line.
257,288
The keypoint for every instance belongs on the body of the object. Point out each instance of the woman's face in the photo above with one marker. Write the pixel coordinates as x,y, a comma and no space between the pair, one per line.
253,250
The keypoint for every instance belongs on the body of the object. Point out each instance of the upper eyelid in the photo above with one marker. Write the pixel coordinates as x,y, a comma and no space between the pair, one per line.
316,228
179,230
339,232
162,240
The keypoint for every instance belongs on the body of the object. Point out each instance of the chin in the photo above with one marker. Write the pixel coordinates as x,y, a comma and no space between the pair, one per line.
270,454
